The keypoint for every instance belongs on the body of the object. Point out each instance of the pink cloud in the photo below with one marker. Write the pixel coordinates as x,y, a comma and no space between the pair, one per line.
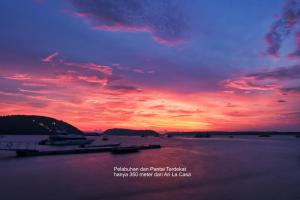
92,66
19,77
247,83
281,79
118,27
89,73
50,57
93,79
122,28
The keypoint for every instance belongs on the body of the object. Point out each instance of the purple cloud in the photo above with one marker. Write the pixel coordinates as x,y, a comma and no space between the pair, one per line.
283,26
163,19
296,53
294,90
291,72
270,80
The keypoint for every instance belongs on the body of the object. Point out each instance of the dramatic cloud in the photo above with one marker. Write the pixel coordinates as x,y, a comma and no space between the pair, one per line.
163,19
269,80
246,83
88,73
96,64
283,26
291,72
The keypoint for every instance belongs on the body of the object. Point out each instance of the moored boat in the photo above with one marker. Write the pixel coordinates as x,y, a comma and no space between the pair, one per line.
66,139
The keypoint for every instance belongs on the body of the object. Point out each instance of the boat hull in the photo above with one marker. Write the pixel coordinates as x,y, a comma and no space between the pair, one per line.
68,142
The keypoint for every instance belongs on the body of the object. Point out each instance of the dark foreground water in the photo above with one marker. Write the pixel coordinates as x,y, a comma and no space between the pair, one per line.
239,168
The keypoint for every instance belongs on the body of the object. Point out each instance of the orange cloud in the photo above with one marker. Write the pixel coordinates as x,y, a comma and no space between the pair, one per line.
85,95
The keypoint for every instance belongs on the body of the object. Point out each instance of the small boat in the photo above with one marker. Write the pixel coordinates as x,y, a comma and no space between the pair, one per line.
123,150
202,135
150,146
100,145
264,135
66,139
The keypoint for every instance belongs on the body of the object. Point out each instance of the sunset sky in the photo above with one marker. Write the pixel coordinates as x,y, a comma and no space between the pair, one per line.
153,64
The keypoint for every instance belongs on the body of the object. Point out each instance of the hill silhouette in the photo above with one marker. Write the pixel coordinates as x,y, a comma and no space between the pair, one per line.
34,125
129,132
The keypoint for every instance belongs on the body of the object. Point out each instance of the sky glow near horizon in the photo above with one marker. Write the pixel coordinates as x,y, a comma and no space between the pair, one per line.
153,64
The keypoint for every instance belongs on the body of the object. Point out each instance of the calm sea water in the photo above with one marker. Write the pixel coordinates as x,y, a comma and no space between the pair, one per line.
239,168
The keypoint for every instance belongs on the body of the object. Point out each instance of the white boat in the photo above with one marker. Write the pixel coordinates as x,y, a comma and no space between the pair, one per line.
66,139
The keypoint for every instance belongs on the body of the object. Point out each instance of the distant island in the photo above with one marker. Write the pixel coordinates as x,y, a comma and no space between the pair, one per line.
228,133
129,132
34,125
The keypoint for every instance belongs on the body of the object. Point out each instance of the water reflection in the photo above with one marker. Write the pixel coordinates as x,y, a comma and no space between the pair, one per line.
218,168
